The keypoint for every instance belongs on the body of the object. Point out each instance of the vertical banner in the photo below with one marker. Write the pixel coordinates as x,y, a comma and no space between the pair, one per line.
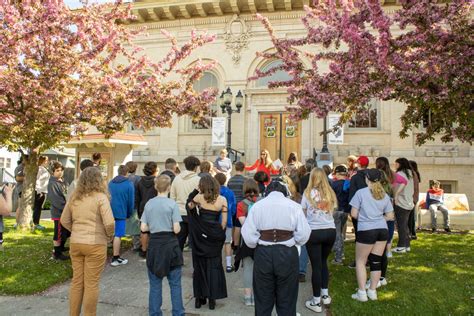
337,137
218,131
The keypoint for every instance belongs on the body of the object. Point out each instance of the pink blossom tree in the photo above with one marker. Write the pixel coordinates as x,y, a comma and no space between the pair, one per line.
62,71
429,65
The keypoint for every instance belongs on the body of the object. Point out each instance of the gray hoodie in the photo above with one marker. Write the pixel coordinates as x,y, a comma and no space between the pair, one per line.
183,184
57,196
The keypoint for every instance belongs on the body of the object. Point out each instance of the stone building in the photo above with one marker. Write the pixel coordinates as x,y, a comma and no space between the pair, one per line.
263,121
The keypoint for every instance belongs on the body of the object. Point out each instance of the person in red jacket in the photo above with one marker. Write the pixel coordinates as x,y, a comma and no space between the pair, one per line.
264,163
435,202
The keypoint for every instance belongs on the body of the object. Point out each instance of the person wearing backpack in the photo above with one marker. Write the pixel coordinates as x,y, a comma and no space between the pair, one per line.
245,254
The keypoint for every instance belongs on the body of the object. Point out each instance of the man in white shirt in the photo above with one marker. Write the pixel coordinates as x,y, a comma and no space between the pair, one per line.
41,190
274,226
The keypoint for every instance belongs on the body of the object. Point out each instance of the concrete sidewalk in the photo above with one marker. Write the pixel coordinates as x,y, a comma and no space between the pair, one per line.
124,291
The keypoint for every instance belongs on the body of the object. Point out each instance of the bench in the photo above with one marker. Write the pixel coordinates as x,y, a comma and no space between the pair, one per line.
461,217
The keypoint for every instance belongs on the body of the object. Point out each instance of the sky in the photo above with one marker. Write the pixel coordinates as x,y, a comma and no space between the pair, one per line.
73,4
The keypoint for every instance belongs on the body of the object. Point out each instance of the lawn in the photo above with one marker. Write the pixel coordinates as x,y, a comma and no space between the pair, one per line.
435,278
26,266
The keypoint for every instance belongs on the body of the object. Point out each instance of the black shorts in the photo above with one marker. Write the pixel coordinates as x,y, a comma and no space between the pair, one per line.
370,237
60,233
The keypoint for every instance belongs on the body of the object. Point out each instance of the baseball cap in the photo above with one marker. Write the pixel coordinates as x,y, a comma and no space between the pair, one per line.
374,175
363,161
340,169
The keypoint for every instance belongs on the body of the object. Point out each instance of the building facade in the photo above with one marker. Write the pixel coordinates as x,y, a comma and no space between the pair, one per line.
263,122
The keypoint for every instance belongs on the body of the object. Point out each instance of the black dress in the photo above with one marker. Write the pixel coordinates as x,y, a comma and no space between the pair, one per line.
208,238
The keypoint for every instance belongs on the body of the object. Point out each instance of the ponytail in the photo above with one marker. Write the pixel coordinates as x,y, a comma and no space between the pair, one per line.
377,190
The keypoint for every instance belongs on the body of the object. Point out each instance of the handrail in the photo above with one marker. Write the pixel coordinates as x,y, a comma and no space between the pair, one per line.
235,154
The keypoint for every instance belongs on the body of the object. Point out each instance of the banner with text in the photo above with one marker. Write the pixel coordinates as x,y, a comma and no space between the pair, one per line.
218,131
336,137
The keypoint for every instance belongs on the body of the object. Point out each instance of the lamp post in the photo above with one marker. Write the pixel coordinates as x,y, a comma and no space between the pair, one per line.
324,157
325,136
226,106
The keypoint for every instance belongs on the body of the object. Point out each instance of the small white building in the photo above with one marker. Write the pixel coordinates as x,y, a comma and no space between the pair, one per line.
8,163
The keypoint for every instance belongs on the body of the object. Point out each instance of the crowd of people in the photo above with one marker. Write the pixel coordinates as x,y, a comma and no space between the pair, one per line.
270,225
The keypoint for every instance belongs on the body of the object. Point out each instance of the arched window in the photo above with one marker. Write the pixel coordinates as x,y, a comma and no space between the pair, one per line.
208,80
279,75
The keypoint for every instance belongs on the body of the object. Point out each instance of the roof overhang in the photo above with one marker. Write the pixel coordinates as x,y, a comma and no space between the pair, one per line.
94,140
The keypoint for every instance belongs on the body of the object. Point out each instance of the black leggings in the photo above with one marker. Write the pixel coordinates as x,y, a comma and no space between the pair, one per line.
319,247
38,206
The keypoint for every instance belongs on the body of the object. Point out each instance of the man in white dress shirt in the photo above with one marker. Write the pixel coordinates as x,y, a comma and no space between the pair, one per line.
274,226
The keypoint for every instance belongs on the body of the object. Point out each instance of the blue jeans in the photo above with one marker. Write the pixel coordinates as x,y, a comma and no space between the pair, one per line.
303,260
391,230
155,299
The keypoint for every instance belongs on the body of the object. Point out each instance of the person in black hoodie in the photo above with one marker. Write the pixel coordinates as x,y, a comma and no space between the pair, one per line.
357,183
171,167
57,196
145,191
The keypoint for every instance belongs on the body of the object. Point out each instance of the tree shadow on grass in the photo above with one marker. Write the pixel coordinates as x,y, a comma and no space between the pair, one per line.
435,278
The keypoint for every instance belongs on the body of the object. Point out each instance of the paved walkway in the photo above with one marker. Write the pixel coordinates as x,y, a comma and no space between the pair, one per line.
124,291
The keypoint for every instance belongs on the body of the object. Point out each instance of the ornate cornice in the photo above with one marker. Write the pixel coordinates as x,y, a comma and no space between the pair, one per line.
159,14
150,11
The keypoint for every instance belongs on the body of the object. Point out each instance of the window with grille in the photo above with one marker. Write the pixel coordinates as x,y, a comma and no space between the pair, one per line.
208,80
369,118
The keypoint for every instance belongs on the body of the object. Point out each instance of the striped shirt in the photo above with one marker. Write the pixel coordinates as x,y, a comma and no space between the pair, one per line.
236,184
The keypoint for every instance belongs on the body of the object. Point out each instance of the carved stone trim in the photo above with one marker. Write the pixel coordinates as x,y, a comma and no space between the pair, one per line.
236,42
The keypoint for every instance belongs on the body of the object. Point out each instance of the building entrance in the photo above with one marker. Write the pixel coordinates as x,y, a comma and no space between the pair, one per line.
279,135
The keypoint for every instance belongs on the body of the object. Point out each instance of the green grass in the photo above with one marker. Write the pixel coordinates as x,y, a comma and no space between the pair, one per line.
435,278
26,266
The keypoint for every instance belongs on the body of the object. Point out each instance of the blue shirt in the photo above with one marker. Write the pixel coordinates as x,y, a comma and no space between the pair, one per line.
122,197
231,204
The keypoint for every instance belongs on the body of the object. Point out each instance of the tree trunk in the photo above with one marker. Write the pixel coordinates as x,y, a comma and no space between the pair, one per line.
27,200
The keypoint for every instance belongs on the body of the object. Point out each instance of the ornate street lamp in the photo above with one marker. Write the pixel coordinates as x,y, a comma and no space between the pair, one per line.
225,101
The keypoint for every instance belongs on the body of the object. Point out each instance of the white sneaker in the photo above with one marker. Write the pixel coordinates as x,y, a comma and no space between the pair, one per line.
314,307
326,299
400,250
389,254
118,262
367,285
248,301
408,249
360,296
383,281
372,294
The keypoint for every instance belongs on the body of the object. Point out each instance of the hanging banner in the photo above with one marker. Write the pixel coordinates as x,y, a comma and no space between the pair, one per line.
270,127
290,131
337,137
218,131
